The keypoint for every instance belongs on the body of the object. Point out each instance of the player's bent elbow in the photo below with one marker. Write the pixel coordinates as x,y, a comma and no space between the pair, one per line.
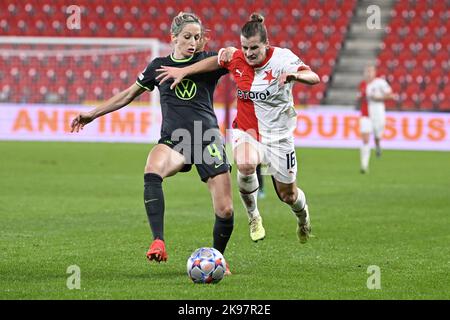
315,79
310,78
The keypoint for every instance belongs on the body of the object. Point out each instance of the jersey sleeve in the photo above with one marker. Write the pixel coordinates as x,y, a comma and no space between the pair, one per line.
220,60
147,78
385,87
227,64
361,90
220,72
292,63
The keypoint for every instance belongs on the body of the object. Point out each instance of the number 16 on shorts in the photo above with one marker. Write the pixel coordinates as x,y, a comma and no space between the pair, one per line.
290,160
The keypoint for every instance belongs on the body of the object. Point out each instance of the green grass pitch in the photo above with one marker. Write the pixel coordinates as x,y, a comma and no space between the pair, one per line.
64,204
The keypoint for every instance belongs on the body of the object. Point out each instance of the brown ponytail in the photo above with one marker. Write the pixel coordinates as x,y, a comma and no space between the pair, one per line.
255,25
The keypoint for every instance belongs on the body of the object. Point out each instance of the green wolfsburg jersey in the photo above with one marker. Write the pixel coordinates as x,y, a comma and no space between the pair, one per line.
191,100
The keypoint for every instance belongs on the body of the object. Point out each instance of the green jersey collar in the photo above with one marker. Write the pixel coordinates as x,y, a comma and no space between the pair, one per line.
181,60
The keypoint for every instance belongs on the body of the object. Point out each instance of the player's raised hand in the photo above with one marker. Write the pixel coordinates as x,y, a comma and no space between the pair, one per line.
285,78
80,121
177,74
227,54
303,76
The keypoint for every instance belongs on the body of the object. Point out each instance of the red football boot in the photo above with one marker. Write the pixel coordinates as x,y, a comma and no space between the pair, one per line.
157,251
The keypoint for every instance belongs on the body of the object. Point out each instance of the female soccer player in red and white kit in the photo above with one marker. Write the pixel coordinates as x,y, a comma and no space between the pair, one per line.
373,91
266,118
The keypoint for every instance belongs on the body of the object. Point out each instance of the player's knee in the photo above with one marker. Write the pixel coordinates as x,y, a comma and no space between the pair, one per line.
246,169
155,167
288,197
225,211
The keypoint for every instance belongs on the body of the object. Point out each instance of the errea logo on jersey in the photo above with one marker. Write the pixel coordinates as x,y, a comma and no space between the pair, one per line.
297,62
253,95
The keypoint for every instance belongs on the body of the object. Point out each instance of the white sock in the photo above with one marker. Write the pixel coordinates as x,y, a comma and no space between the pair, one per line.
365,156
299,204
248,187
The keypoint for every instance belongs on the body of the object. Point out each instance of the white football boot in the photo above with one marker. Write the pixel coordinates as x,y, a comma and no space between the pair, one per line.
257,231
304,225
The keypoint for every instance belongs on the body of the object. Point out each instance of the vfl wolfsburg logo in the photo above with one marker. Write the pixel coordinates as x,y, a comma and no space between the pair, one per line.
186,89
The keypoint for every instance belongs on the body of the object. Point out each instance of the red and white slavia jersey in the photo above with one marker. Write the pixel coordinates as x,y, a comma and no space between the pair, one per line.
264,109
363,99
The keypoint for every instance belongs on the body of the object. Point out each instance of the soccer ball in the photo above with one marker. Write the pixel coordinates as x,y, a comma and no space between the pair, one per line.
206,265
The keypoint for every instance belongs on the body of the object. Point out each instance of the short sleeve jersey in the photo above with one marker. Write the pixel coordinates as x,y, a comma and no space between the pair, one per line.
377,87
190,101
265,107
363,99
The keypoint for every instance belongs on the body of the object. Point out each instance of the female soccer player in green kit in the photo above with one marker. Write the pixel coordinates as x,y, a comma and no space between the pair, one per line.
184,109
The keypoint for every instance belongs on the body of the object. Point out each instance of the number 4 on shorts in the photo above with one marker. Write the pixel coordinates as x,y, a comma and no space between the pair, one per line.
214,151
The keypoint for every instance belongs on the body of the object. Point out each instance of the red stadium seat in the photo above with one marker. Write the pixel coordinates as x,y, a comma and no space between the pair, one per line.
417,75
414,96
396,87
441,56
326,21
435,75
407,103
420,28
391,104
443,99
427,103
431,89
442,80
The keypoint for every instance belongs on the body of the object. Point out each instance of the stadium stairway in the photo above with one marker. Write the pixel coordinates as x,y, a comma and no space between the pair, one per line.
360,48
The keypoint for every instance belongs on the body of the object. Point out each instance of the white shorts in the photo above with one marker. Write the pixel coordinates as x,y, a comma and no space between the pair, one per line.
277,159
373,125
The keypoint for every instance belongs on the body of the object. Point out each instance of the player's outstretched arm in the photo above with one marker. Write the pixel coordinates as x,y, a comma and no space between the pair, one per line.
303,76
205,65
118,101
177,74
385,96
388,95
